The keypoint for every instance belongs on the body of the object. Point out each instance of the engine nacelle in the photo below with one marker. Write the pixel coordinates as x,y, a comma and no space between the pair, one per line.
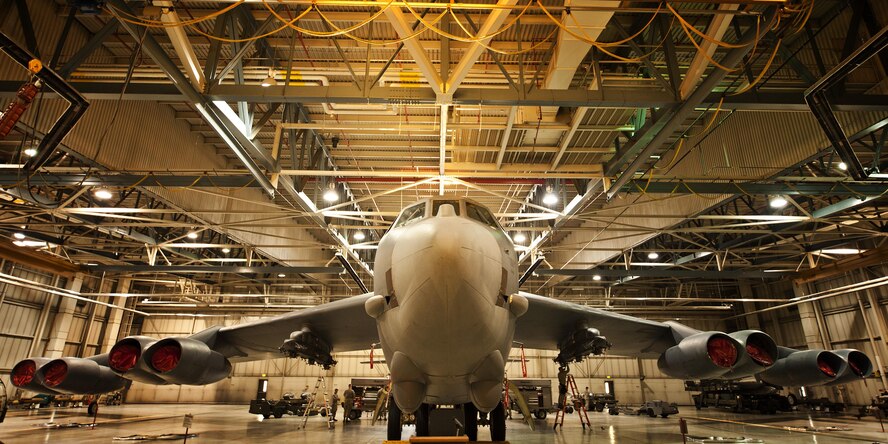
705,355
25,376
859,366
760,353
804,368
78,376
186,361
125,358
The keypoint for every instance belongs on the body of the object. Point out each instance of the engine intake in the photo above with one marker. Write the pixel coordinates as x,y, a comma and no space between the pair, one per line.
705,355
804,368
186,361
78,376
307,345
24,376
859,366
760,353
125,358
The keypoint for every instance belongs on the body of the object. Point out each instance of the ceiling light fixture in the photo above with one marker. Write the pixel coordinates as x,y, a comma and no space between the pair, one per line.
777,202
191,235
270,80
226,250
843,166
103,194
282,275
520,238
653,255
359,235
30,152
596,278
19,236
550,198
330,195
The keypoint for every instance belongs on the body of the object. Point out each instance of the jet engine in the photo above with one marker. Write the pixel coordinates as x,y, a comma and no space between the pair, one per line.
24,376
125,358
705,355
804,368
186,361
66,375
761,353
859,366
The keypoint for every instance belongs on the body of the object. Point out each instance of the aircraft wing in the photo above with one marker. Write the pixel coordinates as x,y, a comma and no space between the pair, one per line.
343,325
549,321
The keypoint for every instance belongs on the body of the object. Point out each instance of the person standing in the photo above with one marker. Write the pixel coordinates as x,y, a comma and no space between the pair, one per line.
335,404
562,386
349,396
587,398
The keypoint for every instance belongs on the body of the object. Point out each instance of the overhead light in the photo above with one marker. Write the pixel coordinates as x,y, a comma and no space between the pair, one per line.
30,152
577,288
30,243
596,278
103,194
843,166
330,195
840,251
653,255
282,275
359,235
777,202
550,198
191,235
520,238
19,236
270,80
226,250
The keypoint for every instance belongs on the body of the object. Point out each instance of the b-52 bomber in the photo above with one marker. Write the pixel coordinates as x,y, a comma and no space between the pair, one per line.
446,310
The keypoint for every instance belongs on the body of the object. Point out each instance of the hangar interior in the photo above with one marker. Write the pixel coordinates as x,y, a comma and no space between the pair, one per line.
242,159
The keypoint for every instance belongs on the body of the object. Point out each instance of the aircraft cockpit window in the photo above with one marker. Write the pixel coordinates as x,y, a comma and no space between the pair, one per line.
410,215
437,204
481,214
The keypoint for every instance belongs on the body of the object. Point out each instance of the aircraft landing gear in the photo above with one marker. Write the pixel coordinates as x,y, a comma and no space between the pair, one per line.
394,421
422,420
498,423
471,416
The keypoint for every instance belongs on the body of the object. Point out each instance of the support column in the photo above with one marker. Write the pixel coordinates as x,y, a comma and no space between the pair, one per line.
115,316
61,325
752,321
872,337
808,316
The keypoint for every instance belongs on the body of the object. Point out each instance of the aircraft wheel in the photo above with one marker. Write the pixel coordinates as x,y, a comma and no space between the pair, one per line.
394,421
422,420
354,415
541,414
471,418
498,423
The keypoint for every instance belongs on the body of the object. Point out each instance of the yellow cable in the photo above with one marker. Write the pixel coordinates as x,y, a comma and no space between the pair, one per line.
339,31
761,74
674,156
703,34
475,38
248,39
148,23
415,34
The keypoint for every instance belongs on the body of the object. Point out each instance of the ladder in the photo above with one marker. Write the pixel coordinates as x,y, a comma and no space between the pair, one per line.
581,410
312,402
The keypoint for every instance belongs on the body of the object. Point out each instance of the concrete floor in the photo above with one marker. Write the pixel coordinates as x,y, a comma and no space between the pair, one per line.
232,423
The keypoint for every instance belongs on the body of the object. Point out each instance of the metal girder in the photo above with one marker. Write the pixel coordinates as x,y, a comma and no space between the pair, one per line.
644,58
784,188
567,137
663,127
268,269
491,24
399,21
661,273
246,46
716,31
86,50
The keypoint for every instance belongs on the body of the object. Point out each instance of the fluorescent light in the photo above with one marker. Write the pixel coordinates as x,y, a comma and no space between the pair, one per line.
19,236
653,255
30,152
840,251
226,250
191,235
282,275
359,235
30,243
577,288
596,278
843,166
520,238
103,194
331,195
777,202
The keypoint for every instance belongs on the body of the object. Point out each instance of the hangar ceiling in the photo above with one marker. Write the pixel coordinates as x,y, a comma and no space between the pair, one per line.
665,130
